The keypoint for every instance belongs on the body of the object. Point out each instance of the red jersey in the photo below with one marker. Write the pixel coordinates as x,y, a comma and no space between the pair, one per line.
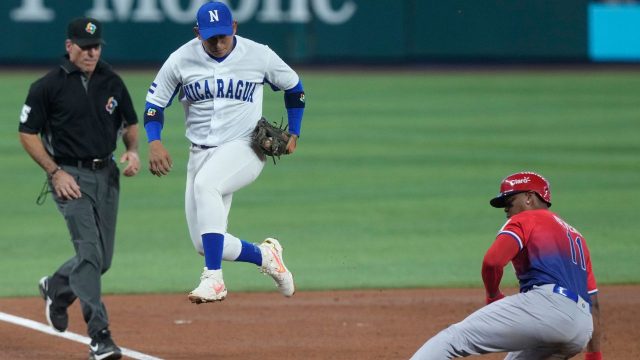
549,251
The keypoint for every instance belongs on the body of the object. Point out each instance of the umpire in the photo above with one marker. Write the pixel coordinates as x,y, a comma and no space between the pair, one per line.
69,125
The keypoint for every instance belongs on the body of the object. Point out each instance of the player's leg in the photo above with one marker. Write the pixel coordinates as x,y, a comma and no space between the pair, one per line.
226,170
236,249
232,245
536,354
474,335
229,168
273,265
532,320
191,214
219,172
565,331
211,287
232,167
267,256
504,325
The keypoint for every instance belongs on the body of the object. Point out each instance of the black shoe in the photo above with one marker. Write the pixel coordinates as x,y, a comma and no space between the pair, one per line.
56,316
102,347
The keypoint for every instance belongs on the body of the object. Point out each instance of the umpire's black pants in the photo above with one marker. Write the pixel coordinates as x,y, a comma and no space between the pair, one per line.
91,221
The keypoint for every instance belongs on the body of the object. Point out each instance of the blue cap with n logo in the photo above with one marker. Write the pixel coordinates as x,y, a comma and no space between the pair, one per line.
214,18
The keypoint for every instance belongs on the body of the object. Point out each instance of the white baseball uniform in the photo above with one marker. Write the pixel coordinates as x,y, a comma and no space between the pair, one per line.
222,102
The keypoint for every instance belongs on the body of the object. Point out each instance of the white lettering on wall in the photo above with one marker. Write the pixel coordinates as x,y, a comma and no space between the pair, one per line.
299,12
140,11
273,12
174,13
147,11
323,9
245,10
32,10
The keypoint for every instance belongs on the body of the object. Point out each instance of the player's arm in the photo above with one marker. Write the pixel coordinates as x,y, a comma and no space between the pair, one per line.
159,96
593,351
160,161
593,347
294,101
281,77
503,249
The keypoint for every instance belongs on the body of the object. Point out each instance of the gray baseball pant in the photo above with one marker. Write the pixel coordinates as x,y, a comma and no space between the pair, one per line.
91,221
538,324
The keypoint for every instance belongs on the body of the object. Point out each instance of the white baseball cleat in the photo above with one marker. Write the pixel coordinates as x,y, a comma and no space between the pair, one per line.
273,265
211,288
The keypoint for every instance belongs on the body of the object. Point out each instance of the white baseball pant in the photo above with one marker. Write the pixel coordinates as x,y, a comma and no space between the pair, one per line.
213,175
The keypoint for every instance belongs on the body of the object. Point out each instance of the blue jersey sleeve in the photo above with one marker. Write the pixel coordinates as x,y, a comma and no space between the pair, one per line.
294,101
153,121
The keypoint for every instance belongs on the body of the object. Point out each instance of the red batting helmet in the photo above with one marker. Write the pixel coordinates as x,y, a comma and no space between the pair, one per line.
522,182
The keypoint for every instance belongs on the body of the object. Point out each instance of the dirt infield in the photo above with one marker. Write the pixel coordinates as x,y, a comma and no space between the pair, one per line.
369,324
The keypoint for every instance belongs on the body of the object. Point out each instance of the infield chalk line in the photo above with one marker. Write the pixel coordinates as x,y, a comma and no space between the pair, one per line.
67,334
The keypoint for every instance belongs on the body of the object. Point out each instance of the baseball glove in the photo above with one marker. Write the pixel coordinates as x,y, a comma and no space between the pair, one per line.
271,139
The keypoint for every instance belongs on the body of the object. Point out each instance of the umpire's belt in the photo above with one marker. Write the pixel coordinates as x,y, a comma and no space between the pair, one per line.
91,164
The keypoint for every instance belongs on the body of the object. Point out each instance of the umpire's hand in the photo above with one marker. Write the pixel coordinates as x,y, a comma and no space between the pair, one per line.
160,162
65,186
133,163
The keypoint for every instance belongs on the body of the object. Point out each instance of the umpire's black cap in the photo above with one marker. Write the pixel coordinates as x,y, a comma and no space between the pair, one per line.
85,31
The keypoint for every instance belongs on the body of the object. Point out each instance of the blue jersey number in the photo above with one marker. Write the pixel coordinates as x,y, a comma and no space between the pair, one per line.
573,244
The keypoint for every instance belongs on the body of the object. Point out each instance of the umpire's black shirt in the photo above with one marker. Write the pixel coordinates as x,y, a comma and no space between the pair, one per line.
78,120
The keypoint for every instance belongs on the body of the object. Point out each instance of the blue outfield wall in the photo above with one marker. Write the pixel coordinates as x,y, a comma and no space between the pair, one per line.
318,31
614,32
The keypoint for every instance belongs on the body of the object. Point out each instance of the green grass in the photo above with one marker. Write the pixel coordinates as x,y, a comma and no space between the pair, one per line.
389,186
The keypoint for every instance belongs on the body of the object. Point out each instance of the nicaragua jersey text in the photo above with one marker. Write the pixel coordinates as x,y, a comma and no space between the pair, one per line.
222,100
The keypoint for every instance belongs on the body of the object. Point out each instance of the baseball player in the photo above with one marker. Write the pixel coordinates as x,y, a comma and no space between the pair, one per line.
556,312
219,79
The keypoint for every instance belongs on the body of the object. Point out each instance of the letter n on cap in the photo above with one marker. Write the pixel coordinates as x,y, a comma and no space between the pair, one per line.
213,14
